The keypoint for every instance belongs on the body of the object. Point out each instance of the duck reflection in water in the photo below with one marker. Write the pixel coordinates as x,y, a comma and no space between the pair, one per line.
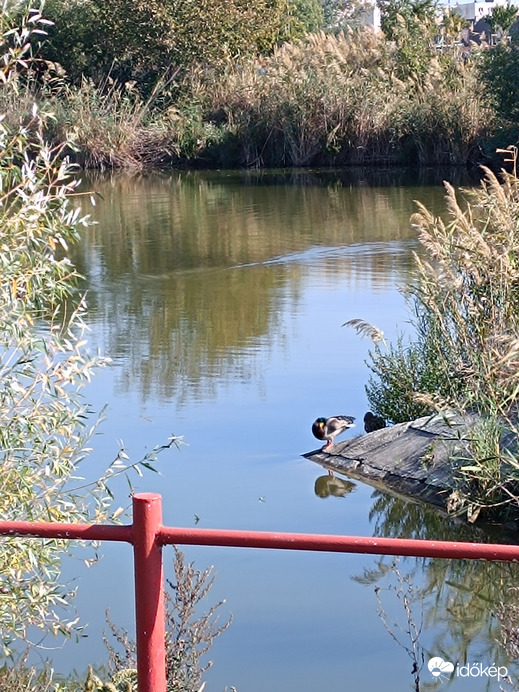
328,485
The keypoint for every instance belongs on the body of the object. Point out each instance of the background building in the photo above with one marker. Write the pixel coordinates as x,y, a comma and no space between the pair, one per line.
474,11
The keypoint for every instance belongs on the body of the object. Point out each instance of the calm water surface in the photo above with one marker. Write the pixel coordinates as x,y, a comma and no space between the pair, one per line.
220,298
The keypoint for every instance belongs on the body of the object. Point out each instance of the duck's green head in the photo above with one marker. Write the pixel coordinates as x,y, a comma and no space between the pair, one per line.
318,428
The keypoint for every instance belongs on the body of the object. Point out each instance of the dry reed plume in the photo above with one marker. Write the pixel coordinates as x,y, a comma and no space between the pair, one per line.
338,99
465,301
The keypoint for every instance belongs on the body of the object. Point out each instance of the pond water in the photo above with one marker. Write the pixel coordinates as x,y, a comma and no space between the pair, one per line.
220,297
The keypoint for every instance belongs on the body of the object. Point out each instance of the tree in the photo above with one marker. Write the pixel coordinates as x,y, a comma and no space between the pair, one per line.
409,12
144,39
501,18
452,25
341,14
300,18
499,72
411,24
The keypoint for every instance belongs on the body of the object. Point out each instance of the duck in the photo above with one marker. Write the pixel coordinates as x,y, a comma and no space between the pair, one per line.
372,422
328,428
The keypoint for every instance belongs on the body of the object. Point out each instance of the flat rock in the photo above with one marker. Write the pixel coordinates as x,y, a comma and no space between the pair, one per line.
413,459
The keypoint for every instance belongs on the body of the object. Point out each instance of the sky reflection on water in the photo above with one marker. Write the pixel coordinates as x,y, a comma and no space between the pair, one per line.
221,300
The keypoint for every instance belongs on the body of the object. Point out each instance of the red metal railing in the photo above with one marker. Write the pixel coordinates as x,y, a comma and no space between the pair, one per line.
147,535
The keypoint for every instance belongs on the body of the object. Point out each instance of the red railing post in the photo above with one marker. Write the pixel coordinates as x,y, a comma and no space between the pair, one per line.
149,593
147,536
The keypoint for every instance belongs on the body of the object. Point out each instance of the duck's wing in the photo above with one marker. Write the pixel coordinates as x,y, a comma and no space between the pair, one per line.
345,421
336,424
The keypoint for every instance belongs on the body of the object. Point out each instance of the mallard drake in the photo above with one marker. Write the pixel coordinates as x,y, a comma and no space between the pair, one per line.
372,422
329,428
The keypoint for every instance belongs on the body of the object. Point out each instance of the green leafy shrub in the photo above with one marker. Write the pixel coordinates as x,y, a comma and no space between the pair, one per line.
411,24
399,372
151,39
499,73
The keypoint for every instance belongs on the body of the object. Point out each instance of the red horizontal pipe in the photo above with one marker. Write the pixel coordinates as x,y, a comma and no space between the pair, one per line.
267,539
90,532
340,544
147,536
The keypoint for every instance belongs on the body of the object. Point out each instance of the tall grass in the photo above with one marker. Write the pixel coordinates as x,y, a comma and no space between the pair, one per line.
324,100
465,300
112,125
336,99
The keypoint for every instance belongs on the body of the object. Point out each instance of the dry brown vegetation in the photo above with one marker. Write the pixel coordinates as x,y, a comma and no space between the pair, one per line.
337,99
323,100
465,303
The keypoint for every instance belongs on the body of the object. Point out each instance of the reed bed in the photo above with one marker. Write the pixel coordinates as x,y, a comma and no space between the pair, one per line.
112,126
324,100
465,357
336,100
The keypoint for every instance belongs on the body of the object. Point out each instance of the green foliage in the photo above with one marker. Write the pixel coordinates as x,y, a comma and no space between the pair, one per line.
411,25
502,17
148,39
399,372
412,12
322,100
190,633
340,15
44,361
499,71
465,298
301,17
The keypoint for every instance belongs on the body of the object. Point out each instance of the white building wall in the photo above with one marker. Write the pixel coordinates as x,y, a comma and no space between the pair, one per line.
371,15
473,11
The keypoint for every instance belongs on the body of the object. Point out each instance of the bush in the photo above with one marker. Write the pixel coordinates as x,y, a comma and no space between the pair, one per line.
499,73
151,39
411,24
189,634
465,356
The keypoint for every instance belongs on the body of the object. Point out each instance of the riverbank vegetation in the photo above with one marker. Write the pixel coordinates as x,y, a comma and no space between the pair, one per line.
464,357
270,84
46,424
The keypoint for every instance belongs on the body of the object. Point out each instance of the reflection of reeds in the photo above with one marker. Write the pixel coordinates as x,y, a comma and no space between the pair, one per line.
507,612
182,272
458,598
